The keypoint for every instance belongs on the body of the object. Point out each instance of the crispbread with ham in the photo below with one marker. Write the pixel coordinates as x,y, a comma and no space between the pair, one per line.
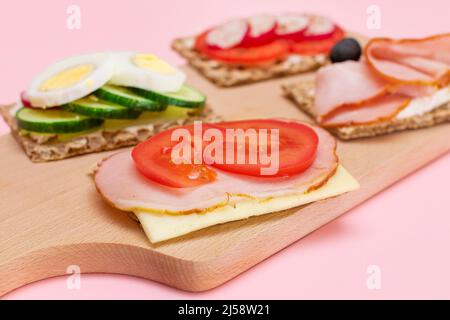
302,93
171,199
128,190
397,85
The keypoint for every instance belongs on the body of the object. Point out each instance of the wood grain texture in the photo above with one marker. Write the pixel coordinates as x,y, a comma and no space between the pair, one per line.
52,217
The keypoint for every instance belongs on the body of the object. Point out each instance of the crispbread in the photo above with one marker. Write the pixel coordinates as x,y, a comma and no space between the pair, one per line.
302,93
43,148
229,75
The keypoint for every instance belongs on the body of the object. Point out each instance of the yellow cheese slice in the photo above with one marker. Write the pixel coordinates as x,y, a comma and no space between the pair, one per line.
159,227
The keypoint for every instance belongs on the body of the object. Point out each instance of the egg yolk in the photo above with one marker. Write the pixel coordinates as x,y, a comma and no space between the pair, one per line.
153,63
67,78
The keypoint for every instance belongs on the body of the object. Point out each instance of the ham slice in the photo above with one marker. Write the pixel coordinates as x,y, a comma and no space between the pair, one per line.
376,110
119,182
379,86
335,86
420,61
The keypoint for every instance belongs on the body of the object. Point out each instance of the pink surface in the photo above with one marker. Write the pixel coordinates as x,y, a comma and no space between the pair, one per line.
405,231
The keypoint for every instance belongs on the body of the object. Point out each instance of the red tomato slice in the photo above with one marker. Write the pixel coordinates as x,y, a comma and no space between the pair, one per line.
311,47
244,56
297,147
153,159
297,150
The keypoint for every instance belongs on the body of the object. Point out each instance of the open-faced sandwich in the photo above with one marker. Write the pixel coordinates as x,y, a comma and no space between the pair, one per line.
101,101
260,47
396,85
192,177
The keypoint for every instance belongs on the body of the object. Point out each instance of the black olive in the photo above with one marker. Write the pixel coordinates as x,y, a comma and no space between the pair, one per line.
346,49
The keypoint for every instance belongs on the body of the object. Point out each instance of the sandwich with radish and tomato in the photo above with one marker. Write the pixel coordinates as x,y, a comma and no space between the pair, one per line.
389,85
261,47
101,101
196,176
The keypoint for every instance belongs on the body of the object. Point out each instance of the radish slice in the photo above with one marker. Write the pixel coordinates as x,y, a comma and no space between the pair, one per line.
228,35
27,104
291,26
24,100
262,24
319,28
262,31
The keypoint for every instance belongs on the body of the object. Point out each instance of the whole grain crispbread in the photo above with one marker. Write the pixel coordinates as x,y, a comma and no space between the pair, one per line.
302,93
44,148
225,75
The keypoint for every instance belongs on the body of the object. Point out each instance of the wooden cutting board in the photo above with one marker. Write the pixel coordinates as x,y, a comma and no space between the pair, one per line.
51,217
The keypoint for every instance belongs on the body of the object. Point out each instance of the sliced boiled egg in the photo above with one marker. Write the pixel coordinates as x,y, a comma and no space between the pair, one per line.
146,71
70,79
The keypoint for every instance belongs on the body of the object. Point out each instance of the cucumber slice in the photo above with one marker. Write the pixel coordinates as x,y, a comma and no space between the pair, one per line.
186,97
54,121
125,97
95,108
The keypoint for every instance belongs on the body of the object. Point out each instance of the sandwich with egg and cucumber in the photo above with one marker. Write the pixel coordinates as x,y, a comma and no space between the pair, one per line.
196,176
101,101
394,85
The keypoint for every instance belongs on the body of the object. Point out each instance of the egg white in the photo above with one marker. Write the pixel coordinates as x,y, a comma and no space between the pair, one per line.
128,74
103,71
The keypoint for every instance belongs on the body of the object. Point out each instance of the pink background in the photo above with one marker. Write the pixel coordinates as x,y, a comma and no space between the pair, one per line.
405,230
